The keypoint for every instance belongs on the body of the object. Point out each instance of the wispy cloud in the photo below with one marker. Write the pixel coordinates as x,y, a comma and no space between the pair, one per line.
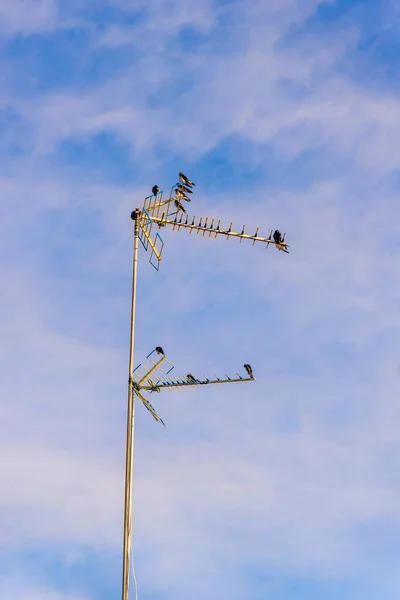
285,485
20,18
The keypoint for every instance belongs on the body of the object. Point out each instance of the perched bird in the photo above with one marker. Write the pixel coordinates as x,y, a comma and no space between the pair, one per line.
155,189
249,370
159,350
179,206
183,196
185,180
277,237
184,189
190,377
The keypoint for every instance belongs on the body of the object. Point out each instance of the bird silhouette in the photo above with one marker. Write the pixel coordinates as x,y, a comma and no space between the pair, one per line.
183,196
249,370
190,377
179,206
159,350
155,189
185,180
184,189
277,237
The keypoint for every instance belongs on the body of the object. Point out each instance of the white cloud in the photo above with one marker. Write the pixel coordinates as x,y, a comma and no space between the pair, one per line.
25,17
288,473
22,588
50,496
239,93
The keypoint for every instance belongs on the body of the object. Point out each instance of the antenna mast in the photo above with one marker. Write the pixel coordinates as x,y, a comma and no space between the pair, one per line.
157,212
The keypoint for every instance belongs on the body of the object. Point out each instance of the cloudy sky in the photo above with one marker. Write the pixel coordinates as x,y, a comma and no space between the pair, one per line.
286,113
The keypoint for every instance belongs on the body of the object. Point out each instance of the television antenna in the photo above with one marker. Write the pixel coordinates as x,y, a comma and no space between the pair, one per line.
152,377
157,212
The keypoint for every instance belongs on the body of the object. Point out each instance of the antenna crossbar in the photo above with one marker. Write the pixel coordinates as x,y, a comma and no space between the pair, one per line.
168,384
143,373
156,244
149,407
149,241
159,205
150,371
215,230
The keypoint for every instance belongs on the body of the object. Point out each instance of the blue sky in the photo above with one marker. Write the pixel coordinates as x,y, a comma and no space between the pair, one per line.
286,114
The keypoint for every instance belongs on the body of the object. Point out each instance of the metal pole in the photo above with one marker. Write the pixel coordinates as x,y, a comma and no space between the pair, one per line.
130,424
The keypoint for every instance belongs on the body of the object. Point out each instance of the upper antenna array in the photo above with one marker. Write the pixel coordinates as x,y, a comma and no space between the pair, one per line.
157,211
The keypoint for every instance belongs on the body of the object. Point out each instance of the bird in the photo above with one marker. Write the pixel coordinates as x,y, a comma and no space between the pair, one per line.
155,189
159,350
190,377
183,196
249,370
184,189
179,206
185,180
277,237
